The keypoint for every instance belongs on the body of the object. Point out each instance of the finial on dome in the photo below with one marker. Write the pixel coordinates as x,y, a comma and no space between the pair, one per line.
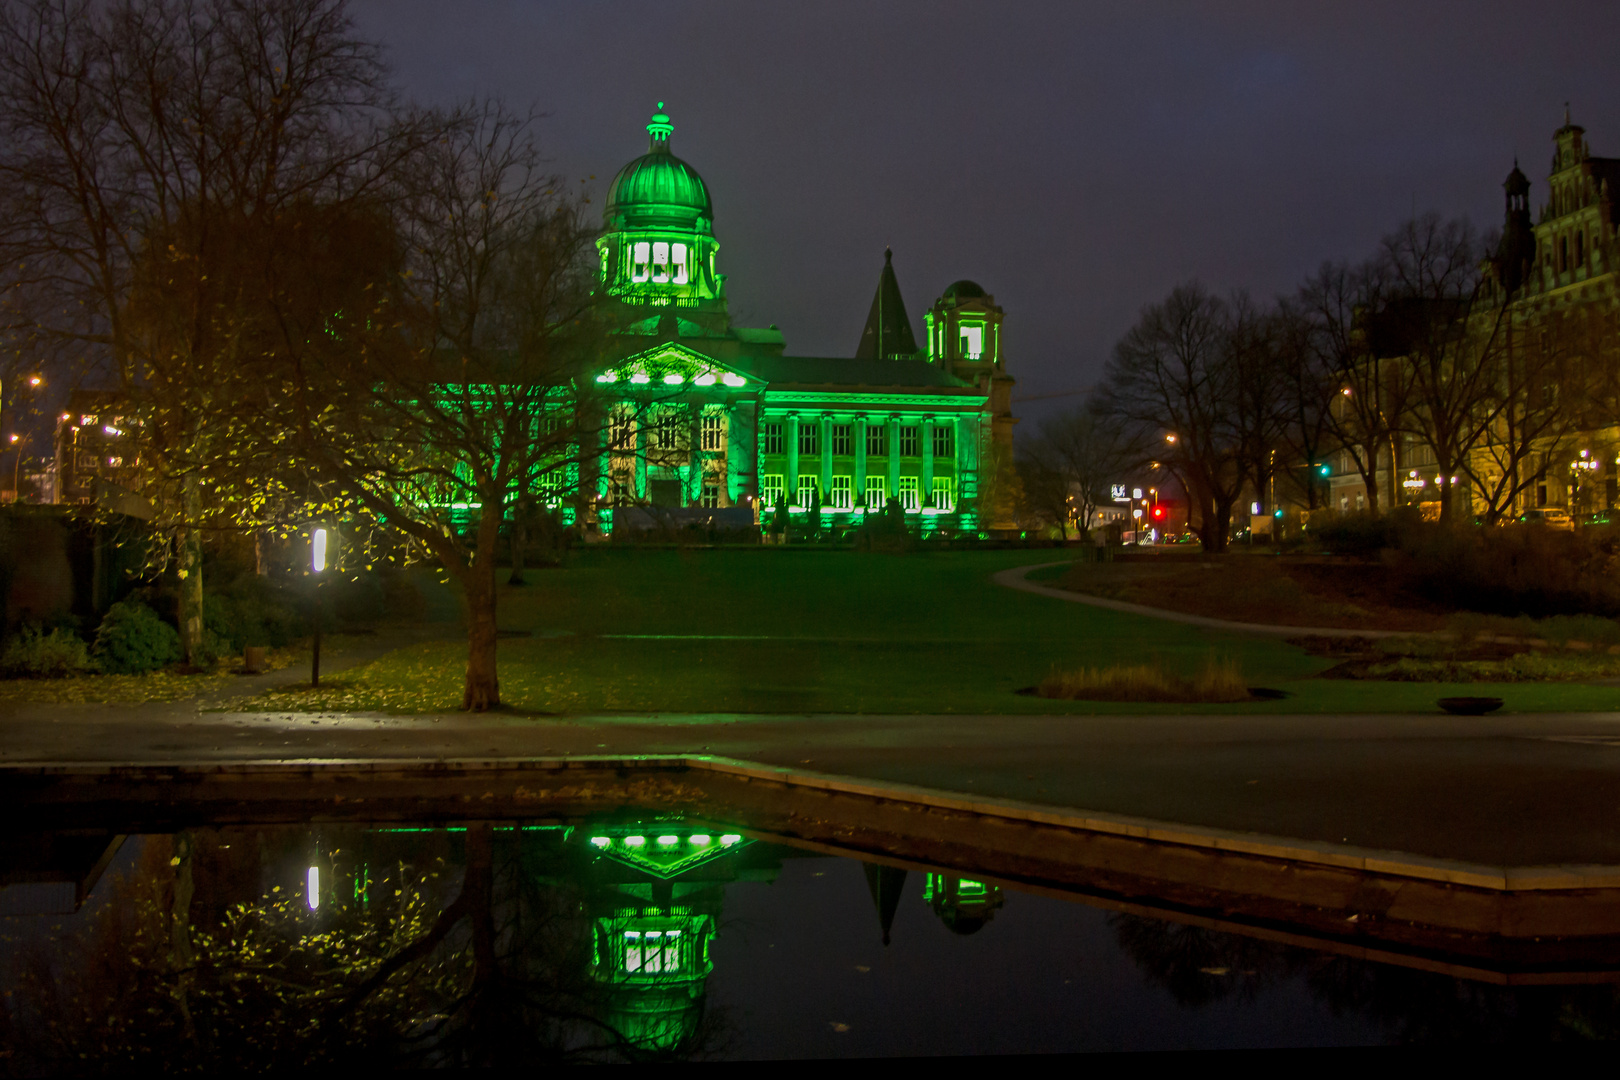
660,129
888,256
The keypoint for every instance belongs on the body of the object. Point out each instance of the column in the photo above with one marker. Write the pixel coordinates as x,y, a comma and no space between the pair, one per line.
826,456
860,457
927,482
967,465
894,455
790,482
742,458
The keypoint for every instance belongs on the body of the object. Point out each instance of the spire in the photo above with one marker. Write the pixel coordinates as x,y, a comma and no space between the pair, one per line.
886,884
888,331
659,131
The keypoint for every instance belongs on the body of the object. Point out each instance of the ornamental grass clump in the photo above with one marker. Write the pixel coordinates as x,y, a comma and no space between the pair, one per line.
1219,680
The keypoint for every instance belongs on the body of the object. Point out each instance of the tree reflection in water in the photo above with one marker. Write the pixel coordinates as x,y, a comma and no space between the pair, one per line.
424,948
1199,966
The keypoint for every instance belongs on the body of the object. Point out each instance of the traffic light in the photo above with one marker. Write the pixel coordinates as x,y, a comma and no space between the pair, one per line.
1277,513
1158,511
1325,470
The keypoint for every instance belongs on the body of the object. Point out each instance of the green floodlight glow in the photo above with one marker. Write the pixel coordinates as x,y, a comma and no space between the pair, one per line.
634,841
734,380
728,839
674,379
640,379
601,842
668,841
705,379
700,840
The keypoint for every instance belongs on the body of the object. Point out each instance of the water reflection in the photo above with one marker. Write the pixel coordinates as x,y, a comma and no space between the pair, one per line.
494,944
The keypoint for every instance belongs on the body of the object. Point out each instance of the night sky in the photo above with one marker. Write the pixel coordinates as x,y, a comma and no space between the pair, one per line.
1077,160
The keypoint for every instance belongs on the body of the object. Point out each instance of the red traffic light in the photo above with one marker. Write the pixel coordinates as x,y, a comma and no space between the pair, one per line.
1158,511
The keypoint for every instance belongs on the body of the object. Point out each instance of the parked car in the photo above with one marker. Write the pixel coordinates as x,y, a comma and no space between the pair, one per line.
1550,517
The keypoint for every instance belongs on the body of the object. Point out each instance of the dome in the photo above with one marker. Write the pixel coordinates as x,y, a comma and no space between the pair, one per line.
964,290
658,190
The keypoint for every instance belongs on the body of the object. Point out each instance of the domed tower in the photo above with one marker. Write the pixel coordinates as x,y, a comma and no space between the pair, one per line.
964,338
658,250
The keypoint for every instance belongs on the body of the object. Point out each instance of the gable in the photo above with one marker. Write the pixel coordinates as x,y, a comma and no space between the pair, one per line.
671,364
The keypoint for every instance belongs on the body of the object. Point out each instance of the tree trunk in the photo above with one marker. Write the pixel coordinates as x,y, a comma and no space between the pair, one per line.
191,582
519,541
483,688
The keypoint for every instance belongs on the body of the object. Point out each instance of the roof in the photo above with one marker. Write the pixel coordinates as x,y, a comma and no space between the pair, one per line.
838,371
888,330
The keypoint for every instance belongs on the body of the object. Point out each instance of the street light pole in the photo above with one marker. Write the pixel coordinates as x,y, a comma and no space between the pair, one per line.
317,563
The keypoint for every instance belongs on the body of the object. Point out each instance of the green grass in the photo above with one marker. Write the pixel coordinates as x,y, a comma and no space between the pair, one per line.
794,631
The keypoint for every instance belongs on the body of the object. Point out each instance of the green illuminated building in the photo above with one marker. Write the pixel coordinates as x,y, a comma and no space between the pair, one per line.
719,417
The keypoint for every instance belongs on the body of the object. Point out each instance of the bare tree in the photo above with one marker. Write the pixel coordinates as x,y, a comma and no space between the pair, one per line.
138,139
456,385
1172,382
1448,333
1073,460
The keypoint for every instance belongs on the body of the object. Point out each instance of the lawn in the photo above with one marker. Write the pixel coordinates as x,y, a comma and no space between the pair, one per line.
794,631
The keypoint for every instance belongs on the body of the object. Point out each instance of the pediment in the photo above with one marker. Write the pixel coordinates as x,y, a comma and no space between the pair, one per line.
672,364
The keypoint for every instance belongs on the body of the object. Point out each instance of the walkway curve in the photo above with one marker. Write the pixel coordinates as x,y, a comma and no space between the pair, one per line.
1014,578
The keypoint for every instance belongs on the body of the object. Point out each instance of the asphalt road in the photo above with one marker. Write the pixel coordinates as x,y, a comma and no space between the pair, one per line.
1514,790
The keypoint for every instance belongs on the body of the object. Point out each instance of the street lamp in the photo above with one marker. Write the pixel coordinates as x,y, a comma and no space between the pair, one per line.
317,566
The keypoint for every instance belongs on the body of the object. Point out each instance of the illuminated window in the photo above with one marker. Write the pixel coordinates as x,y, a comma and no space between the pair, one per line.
877,440
907,494
714,431
653,952
660,262
810,438
910,440
770,439
770,488
944,497
843,440
972,341
842,493
877,492
711,496
680,275
640,260
944,440
807,489
620,432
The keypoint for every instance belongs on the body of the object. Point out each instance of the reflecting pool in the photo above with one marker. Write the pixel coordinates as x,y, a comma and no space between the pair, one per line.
658,936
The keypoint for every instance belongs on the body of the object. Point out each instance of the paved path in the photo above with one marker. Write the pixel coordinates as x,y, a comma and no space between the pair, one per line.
1016,578
1513,790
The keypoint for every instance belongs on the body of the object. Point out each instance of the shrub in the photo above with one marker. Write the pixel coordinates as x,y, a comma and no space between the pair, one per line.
249,611
132,640
885,531
1217,681
1513,570
33,653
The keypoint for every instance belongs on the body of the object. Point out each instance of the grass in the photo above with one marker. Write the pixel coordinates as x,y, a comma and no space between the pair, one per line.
1216,681
790,631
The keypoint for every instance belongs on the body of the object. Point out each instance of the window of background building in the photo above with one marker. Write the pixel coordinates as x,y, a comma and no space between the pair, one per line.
944,441
907,494
770,488
843,440
641,262
877,439
910,441
877,492
842,493
770,440
714,431
711,496
620,432
809,438
972,340
944,498
807,489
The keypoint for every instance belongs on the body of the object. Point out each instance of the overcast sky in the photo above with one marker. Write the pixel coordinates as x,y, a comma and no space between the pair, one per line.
1077,160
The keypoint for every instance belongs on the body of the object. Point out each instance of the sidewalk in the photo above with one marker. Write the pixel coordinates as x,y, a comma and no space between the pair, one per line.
1517,790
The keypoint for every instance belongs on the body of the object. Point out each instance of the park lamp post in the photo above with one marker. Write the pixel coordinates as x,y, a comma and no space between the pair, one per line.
318,539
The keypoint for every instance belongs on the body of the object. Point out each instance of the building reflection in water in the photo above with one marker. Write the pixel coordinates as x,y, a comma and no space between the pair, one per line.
962,904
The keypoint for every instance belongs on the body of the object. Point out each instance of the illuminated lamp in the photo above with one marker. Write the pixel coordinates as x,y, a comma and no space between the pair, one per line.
607,377
312,895
640,378
734,380
728,839
705,379
672,379
668,841
635,841
601,842
699,839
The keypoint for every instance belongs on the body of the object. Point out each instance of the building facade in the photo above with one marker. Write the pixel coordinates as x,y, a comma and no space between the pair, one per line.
714,416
